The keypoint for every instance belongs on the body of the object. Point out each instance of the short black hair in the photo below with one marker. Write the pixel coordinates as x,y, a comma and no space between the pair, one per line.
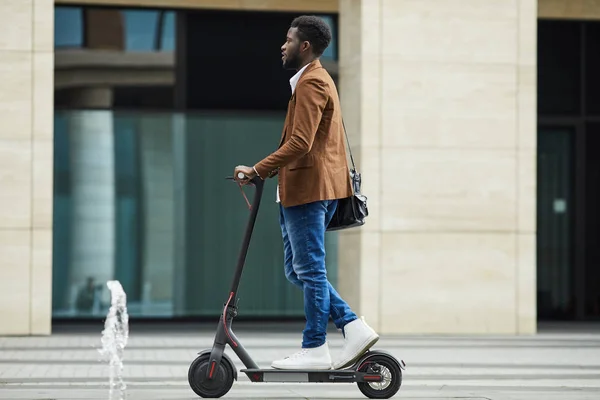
314,30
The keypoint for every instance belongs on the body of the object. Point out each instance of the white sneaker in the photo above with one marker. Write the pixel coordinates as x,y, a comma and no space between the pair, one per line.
359,337
315,358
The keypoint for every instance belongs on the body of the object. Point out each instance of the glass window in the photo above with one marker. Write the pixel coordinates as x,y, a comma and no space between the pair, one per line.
592,68
149,30
120,37
555,205
212,84
140,196
68,27
144,30
162,219
167,42
559,67
141,27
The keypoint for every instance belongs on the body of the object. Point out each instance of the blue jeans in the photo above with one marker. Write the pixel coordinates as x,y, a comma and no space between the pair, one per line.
303,231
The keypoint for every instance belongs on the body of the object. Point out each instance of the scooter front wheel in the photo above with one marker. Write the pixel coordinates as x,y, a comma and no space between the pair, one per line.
210,388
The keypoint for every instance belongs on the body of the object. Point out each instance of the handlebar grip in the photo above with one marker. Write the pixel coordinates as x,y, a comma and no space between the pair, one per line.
241,175
255,181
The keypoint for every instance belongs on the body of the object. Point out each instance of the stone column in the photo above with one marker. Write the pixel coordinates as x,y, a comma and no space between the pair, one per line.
26,159
93,195
442,125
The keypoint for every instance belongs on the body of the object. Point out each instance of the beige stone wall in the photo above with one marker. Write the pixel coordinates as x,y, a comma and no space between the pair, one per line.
439,99
26,146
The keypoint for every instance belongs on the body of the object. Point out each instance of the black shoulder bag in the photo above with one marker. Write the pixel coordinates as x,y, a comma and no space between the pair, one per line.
351,211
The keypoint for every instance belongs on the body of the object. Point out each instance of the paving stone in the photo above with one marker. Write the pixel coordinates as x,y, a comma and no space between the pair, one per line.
67,365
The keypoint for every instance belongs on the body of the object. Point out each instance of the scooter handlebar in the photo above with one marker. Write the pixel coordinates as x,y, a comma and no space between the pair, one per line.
256,180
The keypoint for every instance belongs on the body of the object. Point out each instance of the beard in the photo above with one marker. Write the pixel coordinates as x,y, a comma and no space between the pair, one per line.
292,61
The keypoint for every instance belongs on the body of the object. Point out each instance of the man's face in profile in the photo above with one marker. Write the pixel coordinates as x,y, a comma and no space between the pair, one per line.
291,50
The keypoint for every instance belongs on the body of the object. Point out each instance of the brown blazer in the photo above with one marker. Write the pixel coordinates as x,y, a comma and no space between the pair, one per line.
311,161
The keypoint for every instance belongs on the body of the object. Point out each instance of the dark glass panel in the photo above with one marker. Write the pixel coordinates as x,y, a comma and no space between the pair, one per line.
592,223
559,67
592,68
555,205
234,60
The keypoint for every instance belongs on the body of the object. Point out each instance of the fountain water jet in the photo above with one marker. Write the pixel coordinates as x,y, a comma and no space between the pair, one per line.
114,338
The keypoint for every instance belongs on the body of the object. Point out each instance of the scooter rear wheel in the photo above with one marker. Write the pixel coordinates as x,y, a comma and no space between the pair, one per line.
210,388
392,377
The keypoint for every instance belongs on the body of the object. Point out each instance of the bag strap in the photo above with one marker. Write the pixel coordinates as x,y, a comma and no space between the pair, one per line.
347,141
349,148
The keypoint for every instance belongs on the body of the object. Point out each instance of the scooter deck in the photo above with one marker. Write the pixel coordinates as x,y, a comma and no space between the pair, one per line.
310,376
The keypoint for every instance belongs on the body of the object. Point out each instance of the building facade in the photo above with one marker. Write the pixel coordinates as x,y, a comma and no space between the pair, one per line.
473,125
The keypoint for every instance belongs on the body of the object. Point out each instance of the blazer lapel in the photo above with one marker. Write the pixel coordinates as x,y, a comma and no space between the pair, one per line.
292,102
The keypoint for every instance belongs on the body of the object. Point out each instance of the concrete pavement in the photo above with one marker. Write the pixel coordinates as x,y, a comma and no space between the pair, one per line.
552,365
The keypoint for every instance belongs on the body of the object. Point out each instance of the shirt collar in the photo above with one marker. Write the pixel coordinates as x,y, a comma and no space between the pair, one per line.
294,79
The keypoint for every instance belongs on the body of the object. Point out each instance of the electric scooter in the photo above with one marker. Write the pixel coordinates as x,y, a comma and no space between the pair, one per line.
211,375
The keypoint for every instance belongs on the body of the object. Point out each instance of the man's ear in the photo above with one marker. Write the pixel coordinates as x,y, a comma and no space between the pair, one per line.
305,45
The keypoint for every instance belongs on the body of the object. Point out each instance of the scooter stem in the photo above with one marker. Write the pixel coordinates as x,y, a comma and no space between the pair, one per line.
258,183
224,333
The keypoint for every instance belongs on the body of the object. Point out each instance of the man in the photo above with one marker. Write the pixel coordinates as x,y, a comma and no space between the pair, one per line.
313,174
